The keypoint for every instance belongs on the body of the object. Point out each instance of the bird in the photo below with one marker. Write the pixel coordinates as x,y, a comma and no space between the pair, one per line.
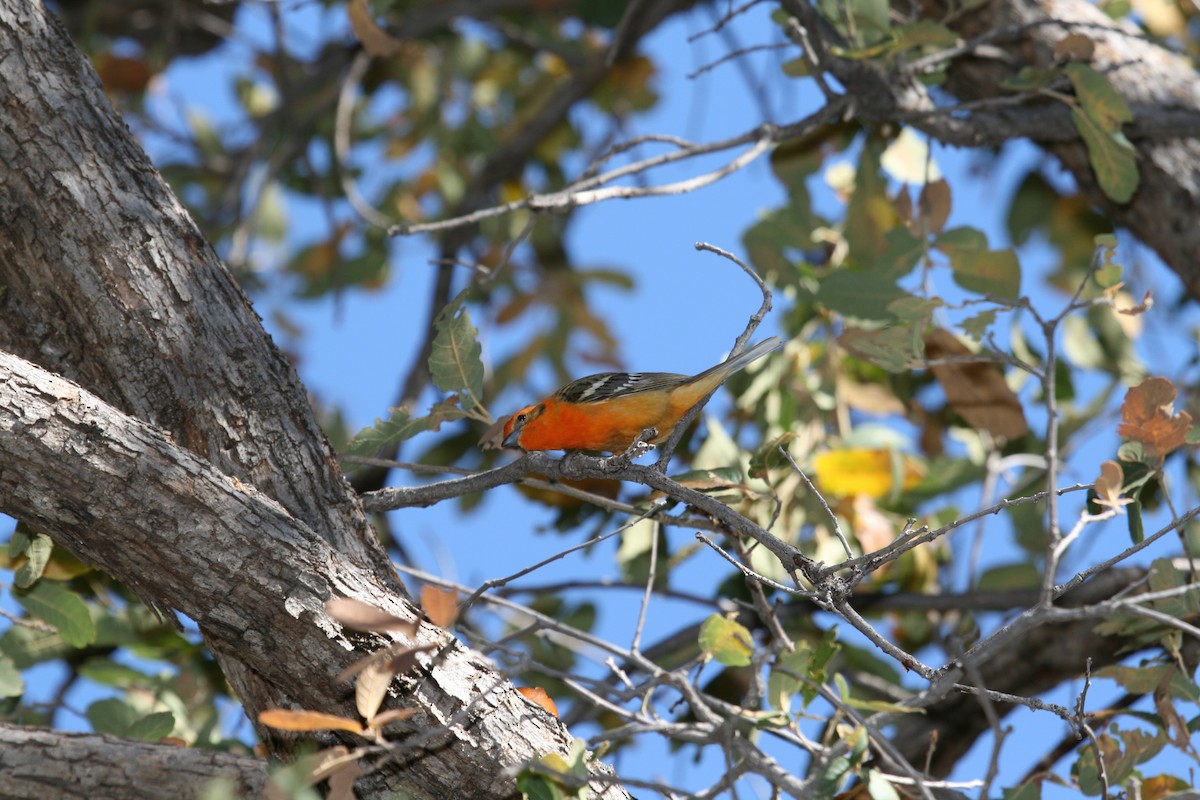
607,412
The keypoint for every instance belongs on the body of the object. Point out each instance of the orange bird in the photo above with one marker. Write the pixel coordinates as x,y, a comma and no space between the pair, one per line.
610,410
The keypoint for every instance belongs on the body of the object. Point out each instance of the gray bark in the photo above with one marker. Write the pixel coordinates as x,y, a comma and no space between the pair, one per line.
149,424
37,764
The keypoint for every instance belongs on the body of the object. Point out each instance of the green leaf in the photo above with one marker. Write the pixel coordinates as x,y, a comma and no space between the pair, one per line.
535,786
11,682
900,254
963,239
20,539
727,641
1030,79
1098,97
993,272
856,294
152,727
396,428
401,426
114,716
107,672
1137,680
977,326
1030,790
1134,522
879,787
892,348
1022,575
1112,159
61,609
924,33
37,554
455,361
797,67
833,776
781,685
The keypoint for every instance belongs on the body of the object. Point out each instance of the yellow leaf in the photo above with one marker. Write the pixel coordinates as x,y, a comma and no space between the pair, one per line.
1161,18
860,470
726,640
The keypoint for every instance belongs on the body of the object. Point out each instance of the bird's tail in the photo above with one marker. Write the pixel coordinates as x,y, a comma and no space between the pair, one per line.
741,360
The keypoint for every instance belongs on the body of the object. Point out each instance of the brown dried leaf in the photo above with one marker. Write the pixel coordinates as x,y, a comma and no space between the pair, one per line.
976,391
872,398
323,763
1147,416
371,688
360,616
287,720
537,695
902,203
1074,47
341,782
1141,308
440,605
1164,704
358,666
1108,486
374,39
934,206
493,437
393,715
406,659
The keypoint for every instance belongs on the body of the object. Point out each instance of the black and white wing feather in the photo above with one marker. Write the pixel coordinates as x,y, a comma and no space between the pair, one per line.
607,385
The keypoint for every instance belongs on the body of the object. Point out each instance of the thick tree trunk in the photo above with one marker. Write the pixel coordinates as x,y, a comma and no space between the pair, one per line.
37,764
184,458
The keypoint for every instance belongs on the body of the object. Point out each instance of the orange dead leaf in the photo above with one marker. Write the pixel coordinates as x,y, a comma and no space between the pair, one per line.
1108,486
976,391
287,720
361,616
1147,416
1160,787
440,605
538,696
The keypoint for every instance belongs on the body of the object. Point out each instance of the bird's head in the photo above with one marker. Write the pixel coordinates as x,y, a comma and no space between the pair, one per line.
517,422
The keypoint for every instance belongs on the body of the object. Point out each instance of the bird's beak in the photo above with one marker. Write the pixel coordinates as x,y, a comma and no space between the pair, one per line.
511,439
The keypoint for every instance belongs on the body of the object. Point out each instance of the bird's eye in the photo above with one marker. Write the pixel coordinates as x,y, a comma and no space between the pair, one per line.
522,417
